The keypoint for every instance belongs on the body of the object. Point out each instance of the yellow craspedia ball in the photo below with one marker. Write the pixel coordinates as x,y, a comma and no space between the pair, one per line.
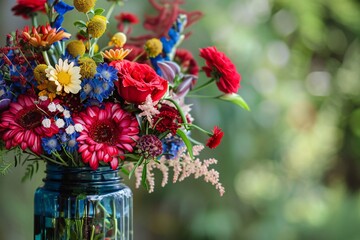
97,26
84,5
87,67
76,48
153,47
118,40
39,73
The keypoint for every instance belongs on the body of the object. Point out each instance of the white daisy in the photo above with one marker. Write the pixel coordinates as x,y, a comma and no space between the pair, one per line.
66,76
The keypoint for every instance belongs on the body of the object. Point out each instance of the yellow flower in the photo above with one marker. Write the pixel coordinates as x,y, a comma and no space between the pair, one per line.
117,54
47,88
76,48
40,74
153,47
84,5
66,76
96,47
118,40
87,67
97,26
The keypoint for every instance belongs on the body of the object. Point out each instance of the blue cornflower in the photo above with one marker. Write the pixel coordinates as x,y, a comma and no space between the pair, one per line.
101,89
86,89
106,72
171,146
70,58
72,144
50,144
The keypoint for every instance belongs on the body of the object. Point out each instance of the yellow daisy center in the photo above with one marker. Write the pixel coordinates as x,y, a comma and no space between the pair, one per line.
64,78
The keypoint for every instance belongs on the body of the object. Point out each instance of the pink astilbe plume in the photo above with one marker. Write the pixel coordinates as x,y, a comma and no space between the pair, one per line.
148,109
183,166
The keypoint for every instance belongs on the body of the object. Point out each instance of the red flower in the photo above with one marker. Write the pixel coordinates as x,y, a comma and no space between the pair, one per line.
125,20
168,119
220,67
215,139
21,125
137,81
25,8
107,134
186,61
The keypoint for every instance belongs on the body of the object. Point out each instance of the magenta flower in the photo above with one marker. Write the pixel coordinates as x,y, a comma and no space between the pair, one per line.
21,125
107,134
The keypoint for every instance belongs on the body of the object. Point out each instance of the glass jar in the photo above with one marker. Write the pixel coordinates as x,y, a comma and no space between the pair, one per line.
79,203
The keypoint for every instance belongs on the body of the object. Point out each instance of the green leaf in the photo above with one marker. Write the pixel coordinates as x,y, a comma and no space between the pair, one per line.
98,58
236,99
99,11
80,24
186,140
143,177
136,165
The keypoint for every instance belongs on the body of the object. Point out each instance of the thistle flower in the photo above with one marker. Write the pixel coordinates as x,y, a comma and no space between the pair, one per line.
149,146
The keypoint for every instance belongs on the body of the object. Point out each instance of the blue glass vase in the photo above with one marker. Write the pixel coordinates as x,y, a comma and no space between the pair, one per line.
79,203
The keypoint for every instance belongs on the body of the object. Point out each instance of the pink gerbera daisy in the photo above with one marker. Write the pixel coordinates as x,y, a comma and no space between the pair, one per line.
107,133
21,125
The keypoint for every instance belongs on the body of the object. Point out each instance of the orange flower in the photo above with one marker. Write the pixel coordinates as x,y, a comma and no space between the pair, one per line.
117,54
44,36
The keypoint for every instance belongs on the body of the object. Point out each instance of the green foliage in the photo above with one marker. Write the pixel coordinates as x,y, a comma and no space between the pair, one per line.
31,169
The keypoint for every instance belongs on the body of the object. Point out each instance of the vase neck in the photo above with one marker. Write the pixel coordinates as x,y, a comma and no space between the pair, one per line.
82,178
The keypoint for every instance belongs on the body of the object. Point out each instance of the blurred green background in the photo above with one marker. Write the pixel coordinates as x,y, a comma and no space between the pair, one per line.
291,166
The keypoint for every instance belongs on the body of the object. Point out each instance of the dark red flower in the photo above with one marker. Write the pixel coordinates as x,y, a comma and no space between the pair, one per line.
215,139
25,8
137,81
125,20
149,146
220,67
186,61
168,119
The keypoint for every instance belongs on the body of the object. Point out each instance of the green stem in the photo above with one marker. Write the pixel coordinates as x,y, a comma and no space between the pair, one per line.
203,86
46,58
199,128
200,96
34,20
92,46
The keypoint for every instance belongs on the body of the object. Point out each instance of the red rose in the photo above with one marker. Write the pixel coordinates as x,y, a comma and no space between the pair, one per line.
25,8
215,139
137,81
220,67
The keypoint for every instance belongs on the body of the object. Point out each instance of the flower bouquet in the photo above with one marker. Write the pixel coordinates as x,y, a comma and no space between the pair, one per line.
69,102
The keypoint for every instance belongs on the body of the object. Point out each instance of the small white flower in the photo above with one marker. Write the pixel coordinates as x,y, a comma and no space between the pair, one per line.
43,98
60,108
52,107
60,123
66,114
78,127
70,130
46,123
